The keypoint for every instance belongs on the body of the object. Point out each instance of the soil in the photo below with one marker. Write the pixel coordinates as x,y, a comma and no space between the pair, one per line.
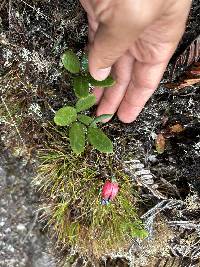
33,35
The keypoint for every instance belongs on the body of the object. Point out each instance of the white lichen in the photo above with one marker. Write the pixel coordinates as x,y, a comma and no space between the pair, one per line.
35,110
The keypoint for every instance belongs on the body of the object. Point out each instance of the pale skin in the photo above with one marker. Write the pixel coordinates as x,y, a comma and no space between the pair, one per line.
133,39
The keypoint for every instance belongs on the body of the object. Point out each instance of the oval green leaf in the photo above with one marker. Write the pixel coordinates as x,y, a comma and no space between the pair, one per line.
81,86
77,137
102,117
108,82
85,103
71,62
65,116
99,140
85,119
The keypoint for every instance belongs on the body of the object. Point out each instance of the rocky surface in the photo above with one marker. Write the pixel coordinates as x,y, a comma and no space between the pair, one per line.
22,242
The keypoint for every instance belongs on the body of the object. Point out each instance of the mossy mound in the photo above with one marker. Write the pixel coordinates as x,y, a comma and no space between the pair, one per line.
72,184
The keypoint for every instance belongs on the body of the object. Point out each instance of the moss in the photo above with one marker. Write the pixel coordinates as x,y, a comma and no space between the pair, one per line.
72,184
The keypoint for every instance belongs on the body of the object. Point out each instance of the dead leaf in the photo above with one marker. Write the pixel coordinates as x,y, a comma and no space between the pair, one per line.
195,71
183,84
189,82
190,56
188,61
160,143
177,128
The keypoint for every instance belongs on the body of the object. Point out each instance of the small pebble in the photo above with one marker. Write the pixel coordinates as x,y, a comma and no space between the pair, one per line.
21,227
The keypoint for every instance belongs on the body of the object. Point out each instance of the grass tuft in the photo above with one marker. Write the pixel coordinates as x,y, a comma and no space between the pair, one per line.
72,184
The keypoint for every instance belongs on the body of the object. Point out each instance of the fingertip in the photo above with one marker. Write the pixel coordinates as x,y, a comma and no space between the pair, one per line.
100,74
125,119
128,115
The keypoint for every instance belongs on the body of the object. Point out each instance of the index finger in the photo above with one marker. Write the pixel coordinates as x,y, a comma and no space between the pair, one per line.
145,80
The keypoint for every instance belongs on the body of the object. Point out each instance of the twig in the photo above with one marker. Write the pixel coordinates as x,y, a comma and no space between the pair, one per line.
185,224
150,215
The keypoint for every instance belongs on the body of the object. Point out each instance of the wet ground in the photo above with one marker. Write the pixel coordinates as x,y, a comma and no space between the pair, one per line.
33,35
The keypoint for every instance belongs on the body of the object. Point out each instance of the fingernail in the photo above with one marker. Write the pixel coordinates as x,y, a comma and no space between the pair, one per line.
102,74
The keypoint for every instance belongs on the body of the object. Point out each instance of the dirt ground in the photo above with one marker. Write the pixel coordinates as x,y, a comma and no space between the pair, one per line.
33,35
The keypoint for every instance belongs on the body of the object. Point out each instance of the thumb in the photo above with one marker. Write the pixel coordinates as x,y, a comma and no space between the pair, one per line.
108,46
106,49
119,26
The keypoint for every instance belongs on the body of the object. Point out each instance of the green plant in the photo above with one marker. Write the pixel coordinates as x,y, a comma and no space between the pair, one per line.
83,127
76,217
74,184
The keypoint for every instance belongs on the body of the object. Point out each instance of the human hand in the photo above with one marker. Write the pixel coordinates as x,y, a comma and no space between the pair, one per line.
135,41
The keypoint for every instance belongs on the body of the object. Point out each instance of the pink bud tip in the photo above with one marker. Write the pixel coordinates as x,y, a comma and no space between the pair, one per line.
110,190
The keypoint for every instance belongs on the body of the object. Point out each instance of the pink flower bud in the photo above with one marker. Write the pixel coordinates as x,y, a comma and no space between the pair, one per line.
109,190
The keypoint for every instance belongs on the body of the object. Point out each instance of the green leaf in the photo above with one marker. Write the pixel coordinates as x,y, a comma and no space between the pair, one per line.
84,63
65,116
85,103
81,86
108,82
85,119
71,62
99,140
77,137
102,117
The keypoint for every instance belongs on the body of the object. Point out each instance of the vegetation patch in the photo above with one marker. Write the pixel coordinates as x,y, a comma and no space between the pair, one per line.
164,140
83,127
75,211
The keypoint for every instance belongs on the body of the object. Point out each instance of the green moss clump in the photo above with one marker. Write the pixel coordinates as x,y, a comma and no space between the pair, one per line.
72,185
